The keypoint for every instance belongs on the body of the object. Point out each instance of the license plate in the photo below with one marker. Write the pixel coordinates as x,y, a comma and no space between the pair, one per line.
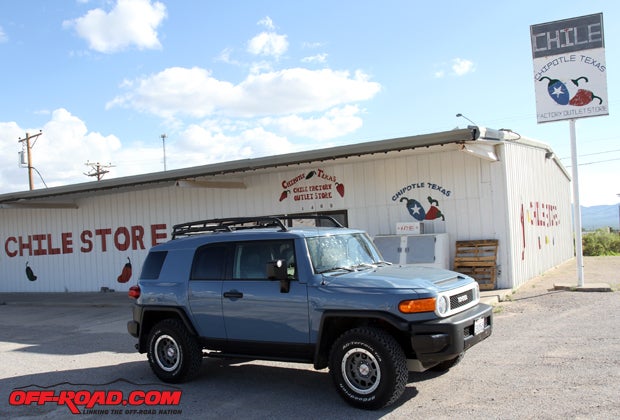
478,326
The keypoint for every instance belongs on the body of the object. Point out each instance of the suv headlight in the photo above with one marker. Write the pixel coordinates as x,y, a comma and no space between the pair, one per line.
443,305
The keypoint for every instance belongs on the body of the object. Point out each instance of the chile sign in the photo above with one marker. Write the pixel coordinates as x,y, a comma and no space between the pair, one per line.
570,76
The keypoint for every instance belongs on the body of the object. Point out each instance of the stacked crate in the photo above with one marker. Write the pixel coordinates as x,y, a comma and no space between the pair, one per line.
478,259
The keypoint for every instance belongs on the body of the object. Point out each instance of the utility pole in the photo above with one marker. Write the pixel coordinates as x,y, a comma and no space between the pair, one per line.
98,170
163,141
26,142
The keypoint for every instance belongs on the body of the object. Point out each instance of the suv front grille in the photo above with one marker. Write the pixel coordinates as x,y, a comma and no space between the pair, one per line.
461,299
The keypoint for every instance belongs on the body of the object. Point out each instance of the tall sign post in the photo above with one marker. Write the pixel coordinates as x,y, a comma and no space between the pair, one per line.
570,79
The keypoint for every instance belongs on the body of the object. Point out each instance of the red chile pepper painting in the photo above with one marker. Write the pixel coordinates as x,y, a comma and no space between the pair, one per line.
125,273
560,92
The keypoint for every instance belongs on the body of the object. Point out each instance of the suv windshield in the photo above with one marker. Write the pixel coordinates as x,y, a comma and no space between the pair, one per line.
348,252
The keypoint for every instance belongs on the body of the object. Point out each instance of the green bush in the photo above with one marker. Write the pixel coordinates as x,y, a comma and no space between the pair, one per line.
600,243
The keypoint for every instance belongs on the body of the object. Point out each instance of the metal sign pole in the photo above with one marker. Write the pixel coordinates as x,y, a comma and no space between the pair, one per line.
576,205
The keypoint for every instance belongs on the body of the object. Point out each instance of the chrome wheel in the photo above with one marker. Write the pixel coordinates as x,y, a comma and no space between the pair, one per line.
361,371
167,353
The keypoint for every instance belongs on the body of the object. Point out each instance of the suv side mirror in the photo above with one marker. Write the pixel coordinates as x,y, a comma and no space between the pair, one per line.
276,270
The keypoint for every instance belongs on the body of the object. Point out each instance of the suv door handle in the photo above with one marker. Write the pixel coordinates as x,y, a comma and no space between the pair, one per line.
233,294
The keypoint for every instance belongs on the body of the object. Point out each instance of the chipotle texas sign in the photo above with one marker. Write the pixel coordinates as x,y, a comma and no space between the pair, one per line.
315,184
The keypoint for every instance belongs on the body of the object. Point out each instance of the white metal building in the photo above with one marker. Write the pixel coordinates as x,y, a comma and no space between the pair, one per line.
472,183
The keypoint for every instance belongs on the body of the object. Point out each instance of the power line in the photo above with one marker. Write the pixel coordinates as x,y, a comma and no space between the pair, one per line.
592,154
592,163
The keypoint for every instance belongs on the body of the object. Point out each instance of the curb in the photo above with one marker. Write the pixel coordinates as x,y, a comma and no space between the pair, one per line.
588,287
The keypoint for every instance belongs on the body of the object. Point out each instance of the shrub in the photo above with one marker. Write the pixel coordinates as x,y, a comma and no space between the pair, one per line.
600,243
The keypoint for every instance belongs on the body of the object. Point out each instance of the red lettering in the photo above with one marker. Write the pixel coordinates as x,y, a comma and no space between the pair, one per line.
97,397
17,397
155,235
10,253
114,398
103,233
291,182
170,398
32,397
45,397
50,247
136,398
25,245
67,242
137,237
122,246
39,250
66,398
85,237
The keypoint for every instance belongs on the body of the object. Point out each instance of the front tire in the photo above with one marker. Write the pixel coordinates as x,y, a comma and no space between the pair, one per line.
173,353
368,367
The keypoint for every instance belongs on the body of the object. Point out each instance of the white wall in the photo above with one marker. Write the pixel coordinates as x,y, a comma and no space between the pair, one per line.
471,193
539,187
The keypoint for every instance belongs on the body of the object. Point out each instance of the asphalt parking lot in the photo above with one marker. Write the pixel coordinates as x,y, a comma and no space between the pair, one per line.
553,354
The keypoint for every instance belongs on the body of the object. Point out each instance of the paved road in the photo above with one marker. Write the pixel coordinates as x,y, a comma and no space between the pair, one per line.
553,354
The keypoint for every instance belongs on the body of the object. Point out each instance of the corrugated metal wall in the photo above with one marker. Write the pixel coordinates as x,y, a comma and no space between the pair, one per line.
539,219
85,249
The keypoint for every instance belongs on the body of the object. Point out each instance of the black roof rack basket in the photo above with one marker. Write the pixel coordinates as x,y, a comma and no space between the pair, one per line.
241,223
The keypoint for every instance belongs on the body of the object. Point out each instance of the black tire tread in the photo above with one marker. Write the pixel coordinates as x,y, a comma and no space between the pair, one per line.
394,353
192,354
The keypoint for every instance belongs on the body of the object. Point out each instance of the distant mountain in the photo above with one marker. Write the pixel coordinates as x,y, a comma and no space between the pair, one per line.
596,217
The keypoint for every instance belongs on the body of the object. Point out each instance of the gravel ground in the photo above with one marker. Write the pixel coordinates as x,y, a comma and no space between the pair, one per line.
553,354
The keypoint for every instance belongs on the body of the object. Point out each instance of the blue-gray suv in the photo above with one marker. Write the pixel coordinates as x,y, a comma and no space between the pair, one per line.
301,290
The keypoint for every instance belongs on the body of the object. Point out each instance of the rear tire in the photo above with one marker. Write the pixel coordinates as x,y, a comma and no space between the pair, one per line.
173,353
368,367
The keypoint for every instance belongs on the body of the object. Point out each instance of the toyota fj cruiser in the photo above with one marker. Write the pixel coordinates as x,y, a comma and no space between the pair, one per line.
261,288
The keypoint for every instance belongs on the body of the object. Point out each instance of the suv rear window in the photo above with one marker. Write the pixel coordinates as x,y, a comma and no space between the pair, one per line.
152,265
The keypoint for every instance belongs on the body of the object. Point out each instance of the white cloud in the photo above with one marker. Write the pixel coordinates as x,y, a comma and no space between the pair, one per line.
267,23
268,44
129,23
225,57
3,37
214,141
318,58
194,92
462,66
334,123
59,154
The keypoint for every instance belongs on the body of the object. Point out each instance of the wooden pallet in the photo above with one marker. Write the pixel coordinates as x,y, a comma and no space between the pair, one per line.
478,259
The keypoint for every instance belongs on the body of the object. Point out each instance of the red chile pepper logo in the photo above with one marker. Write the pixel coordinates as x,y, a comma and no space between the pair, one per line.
560,92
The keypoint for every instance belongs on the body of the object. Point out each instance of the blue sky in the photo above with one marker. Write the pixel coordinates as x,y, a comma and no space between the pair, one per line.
232,80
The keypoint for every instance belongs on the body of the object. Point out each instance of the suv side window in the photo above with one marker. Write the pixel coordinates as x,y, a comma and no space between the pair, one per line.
210,262
251,258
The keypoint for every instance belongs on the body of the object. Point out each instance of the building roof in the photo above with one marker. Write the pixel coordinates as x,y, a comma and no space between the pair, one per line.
49,197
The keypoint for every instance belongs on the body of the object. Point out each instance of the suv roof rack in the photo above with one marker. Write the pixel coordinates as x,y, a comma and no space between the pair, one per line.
232,224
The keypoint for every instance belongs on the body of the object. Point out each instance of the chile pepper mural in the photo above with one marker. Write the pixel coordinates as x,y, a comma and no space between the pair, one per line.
417,211
559,92
29,273
125,273
583,97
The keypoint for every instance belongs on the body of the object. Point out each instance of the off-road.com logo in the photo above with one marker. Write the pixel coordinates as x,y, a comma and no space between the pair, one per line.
87,400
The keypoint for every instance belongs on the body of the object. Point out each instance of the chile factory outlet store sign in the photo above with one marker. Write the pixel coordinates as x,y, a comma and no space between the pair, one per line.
569,68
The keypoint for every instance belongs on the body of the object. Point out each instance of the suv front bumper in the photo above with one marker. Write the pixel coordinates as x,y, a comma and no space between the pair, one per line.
444,339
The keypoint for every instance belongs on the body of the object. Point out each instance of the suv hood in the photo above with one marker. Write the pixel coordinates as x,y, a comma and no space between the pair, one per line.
398,277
